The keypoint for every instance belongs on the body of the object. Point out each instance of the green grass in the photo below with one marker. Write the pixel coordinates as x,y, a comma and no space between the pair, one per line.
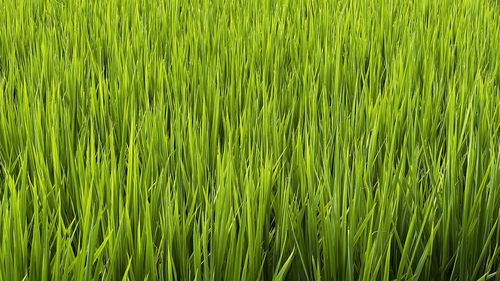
249,140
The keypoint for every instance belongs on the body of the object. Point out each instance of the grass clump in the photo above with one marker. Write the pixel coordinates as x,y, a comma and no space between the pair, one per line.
249,140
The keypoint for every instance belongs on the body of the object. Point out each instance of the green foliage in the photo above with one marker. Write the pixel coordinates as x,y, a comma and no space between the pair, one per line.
249,140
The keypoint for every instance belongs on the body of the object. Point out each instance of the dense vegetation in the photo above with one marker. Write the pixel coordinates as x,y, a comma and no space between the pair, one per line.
249,140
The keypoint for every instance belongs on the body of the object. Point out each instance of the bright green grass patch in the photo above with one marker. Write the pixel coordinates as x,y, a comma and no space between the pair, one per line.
249,140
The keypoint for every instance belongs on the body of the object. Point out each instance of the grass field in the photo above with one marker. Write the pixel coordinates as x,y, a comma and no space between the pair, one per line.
249,140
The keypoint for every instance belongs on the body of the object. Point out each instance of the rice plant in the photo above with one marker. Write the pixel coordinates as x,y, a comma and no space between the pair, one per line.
249,140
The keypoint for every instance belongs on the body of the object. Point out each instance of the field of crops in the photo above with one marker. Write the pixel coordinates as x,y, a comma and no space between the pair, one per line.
249,140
